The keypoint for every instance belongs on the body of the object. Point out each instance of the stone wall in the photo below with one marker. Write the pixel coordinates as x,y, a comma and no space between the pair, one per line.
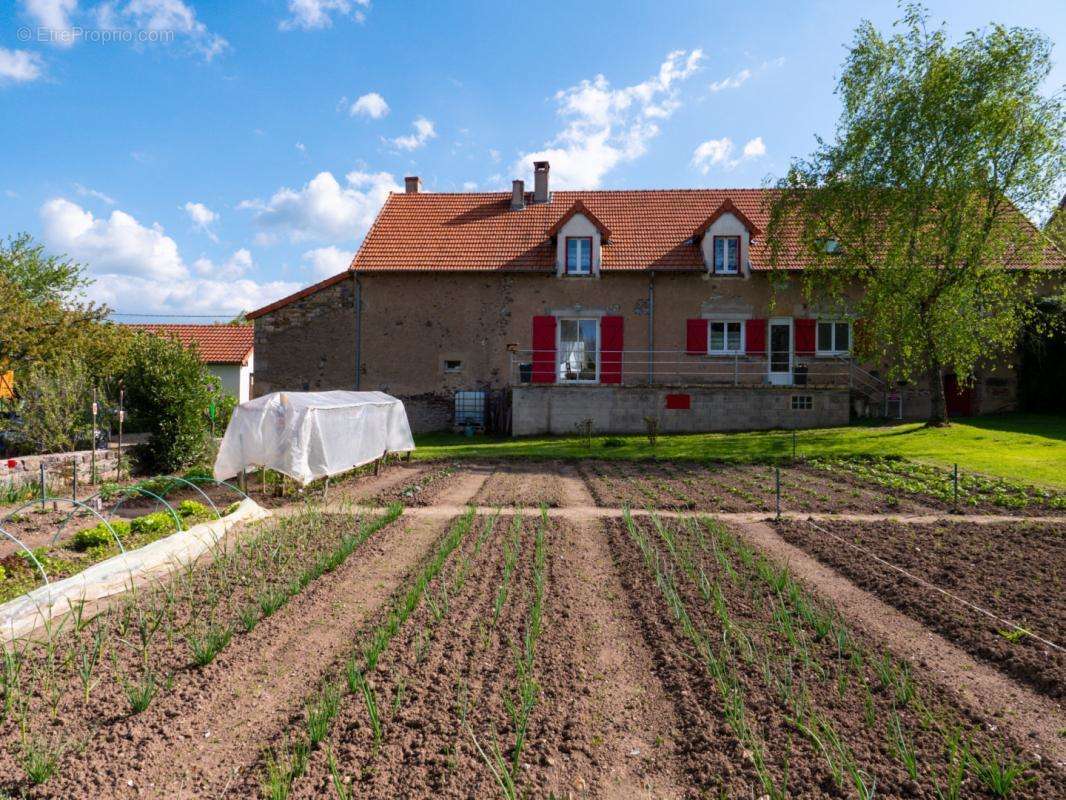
416,327
58,467
617,409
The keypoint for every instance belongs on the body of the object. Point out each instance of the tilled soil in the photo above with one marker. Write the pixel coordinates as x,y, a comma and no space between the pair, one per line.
1015,570
601,725
791,680
424,487
524,484
731,488
206,725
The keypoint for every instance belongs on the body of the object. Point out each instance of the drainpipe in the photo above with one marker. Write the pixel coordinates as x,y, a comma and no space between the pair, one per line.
651,328
358,329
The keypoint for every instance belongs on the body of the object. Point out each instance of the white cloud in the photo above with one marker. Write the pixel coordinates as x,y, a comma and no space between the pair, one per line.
734,81
118,244
202,217
495,156
325,262
738,79
311,14
754,148
469,186
606,127
711,153
371,105
85,191
239,263
53,15
19,66
424,131
719,152
323,209
138,269
162,17
193,296
301,147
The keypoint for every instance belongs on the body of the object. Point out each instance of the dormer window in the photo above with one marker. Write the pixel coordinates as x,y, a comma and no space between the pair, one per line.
726,255
578,255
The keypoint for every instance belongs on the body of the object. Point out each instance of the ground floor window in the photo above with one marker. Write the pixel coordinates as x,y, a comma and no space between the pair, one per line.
802,402
725,336
579,351
834,336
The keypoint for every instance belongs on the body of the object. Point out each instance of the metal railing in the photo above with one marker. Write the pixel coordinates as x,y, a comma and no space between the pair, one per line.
676,367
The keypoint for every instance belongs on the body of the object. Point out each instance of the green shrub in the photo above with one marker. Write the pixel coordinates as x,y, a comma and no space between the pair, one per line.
190,508
92,537
169,393
613,441
231,508
199,473
154,525
100,536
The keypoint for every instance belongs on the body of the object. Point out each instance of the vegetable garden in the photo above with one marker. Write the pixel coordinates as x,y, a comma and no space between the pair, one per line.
535,646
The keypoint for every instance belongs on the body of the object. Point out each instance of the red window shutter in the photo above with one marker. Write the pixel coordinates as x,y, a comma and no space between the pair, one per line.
611,350
755,332
805,333
696,336
543,349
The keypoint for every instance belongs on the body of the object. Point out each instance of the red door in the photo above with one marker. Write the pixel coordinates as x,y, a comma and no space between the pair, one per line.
959,398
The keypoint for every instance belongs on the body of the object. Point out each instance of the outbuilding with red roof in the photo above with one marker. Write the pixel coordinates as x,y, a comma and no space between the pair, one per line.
226,350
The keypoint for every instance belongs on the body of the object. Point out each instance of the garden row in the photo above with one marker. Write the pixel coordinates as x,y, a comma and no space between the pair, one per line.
92,672
1016,571
886,486
809,707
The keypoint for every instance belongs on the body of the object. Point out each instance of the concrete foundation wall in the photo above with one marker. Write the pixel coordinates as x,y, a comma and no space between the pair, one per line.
618,409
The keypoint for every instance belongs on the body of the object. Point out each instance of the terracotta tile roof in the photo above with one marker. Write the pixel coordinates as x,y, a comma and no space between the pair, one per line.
650,229
653,229
217,344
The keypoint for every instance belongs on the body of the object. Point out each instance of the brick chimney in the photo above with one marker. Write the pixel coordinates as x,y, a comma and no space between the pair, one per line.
518,195
540,182
412,184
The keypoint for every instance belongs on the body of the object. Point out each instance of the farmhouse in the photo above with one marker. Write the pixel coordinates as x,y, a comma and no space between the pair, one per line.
226,351
539,311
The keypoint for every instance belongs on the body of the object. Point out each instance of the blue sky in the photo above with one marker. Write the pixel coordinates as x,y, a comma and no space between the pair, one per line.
207,157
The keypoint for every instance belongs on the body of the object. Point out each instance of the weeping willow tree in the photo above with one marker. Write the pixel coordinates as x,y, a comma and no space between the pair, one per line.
915,210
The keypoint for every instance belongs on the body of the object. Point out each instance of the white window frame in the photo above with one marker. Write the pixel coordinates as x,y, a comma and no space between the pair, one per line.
834,351
726,238
559,350
577,270
725,339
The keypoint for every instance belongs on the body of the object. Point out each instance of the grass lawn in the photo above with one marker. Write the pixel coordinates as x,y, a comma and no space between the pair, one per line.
1025,447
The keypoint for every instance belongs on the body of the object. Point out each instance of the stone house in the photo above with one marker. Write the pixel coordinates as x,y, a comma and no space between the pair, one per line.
609,306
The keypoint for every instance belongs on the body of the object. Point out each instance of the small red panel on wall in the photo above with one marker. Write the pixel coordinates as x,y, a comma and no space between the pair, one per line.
679,401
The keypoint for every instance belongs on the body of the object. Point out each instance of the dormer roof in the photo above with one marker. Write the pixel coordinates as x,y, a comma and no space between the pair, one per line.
579,208
727,207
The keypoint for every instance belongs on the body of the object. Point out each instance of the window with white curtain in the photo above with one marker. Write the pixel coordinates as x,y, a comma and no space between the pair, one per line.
579,351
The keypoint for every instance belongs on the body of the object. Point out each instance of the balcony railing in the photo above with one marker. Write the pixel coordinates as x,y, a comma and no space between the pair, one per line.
678,368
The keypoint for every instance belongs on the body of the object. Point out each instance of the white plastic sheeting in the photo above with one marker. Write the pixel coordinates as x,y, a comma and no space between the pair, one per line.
117,574
309,435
